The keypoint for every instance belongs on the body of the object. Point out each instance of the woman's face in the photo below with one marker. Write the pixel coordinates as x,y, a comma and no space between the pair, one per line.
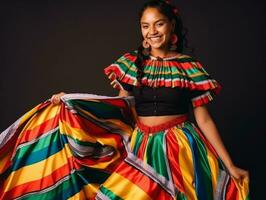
156,28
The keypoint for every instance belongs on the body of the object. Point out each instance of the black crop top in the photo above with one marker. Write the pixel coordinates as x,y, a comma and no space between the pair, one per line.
160,101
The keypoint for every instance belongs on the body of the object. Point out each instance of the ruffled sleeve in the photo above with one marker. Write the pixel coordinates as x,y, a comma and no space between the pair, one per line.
203,88
123,72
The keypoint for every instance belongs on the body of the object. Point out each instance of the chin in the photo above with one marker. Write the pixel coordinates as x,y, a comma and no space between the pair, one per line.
159,46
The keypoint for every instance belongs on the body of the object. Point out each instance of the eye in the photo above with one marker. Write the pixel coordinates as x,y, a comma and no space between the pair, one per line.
144,26
160,24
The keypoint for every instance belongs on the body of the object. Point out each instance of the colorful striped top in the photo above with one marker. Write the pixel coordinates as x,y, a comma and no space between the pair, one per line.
181,71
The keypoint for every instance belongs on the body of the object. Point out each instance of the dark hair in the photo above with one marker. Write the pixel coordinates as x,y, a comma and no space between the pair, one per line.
167,10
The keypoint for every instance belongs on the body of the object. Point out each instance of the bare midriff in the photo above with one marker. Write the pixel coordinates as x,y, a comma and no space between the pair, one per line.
157,120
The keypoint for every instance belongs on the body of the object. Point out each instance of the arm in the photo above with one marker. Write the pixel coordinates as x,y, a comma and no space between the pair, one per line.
208,127
123,93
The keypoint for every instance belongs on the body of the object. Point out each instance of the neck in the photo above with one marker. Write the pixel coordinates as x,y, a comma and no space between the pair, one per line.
162,53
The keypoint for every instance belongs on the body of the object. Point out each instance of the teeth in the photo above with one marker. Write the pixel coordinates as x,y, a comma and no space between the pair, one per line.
155,38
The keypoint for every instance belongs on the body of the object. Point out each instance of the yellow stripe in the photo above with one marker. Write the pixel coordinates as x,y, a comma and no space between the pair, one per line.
133,139
75,133
214,166
78,196
103,165
124,188
242,187
38,170
50,112
186,164
82,135
90,190
28,114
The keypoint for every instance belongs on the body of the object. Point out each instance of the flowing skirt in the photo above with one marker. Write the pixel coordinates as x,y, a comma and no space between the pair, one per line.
89,147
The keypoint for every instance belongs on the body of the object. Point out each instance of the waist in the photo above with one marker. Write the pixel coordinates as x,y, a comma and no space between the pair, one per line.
154,124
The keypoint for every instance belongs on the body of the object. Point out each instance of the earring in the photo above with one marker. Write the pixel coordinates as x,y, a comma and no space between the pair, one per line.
173,40
146,46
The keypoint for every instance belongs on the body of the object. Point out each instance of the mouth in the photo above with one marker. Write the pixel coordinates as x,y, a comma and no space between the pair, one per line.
155,38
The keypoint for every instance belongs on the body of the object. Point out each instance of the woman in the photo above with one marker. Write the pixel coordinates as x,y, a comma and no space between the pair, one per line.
153,75
165,157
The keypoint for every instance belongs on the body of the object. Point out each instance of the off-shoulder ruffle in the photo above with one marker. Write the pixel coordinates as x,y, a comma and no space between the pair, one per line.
182,71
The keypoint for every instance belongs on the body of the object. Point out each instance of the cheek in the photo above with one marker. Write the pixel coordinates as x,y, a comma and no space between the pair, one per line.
144,32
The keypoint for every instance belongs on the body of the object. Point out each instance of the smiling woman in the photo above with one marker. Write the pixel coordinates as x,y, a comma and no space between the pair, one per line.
156,30
138,145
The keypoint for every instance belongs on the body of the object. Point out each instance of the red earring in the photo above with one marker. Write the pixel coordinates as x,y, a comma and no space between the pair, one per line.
145,44
173,40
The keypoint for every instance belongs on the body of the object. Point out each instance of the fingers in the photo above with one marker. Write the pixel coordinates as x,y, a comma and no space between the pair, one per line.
55,99
245,174
115,84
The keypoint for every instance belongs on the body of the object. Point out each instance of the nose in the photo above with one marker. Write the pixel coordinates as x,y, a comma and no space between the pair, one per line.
153,30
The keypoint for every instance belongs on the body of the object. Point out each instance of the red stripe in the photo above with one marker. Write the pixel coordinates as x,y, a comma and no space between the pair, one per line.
200,101
92,129
163,126
42,183
154,190
12,141
187,65
231,191
142,147
130,57
205,141
120,103
177,83
173,157
29,135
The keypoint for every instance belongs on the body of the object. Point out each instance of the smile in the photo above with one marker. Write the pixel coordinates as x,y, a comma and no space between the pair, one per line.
155,38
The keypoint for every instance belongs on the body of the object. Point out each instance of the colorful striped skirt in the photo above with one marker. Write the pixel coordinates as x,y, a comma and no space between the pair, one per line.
89,147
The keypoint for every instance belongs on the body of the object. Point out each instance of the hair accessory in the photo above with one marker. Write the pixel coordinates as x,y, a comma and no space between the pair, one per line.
174,9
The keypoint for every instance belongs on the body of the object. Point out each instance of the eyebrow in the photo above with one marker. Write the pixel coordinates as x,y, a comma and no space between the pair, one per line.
154,22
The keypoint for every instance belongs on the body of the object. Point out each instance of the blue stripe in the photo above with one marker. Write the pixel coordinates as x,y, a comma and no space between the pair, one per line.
198,170
56,143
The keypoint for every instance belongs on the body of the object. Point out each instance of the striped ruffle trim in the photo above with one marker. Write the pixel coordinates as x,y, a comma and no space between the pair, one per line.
183,72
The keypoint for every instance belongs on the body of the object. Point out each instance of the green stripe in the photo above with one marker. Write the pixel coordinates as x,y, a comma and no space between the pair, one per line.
203,162
99,109
138,141
181,196
42,143
155,154
109,193
153,72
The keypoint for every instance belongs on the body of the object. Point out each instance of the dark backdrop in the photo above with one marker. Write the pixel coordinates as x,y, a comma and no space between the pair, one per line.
52,47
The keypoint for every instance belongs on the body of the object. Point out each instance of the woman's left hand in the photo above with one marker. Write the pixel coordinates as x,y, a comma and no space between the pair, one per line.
238,173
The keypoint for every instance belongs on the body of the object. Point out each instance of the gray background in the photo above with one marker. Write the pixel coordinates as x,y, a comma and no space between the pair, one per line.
51,47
